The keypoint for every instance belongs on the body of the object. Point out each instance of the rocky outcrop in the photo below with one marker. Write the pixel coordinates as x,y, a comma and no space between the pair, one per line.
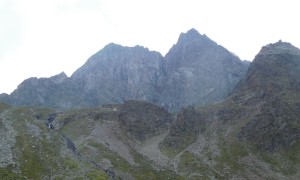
189,123
263,110
5,98
143,120
272,85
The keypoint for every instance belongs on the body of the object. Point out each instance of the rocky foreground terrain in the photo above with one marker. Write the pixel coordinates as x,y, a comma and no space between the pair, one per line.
252,133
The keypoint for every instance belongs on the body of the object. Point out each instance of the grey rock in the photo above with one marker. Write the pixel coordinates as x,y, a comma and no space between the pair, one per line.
198,72
58,91
272,85
116,74
195,71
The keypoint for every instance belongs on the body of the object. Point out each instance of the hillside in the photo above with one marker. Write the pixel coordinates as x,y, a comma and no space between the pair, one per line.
100,143
254,133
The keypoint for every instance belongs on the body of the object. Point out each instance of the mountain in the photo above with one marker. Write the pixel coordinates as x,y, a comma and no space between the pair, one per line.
116,74
254,133
199,71
251,134
195,71
274,79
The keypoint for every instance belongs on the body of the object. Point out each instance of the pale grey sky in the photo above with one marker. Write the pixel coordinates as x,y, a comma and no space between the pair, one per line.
41,38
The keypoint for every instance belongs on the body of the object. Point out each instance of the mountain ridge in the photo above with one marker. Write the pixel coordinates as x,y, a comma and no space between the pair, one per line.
116,74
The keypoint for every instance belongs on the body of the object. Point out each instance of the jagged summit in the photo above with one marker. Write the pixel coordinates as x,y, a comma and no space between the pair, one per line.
279,48
117,47
190,33
199,71
272,85
59,78
115,52
116,74
274,66
114,46
193,35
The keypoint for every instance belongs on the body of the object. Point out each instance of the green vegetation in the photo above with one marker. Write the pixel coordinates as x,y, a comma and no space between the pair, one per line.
229,157
39,156
286,161
97,175
41,113
80,122
237,150
140,171
3,107
71,164
8,174
293,153
1,124
191,164
189,124
77,128
31,163
278,164
173,149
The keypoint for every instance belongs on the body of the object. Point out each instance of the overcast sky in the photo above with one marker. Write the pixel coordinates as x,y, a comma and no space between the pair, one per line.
41,38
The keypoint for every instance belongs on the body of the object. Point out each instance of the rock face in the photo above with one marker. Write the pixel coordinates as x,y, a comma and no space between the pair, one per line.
195,71
253,131
57,91
272,84
199,71
116,74
142,119
264,109
187,125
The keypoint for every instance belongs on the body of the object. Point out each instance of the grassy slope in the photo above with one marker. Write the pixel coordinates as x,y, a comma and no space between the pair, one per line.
78,128
40,152
223,156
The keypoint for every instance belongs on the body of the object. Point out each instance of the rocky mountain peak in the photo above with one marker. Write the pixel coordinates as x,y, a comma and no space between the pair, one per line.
193,36
279,48
112,46
116,74
117,48
199,71
275,67
192,33
59,78
272,85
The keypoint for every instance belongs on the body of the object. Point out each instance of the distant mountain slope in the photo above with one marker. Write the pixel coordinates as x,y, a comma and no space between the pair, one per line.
195,71
57,91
